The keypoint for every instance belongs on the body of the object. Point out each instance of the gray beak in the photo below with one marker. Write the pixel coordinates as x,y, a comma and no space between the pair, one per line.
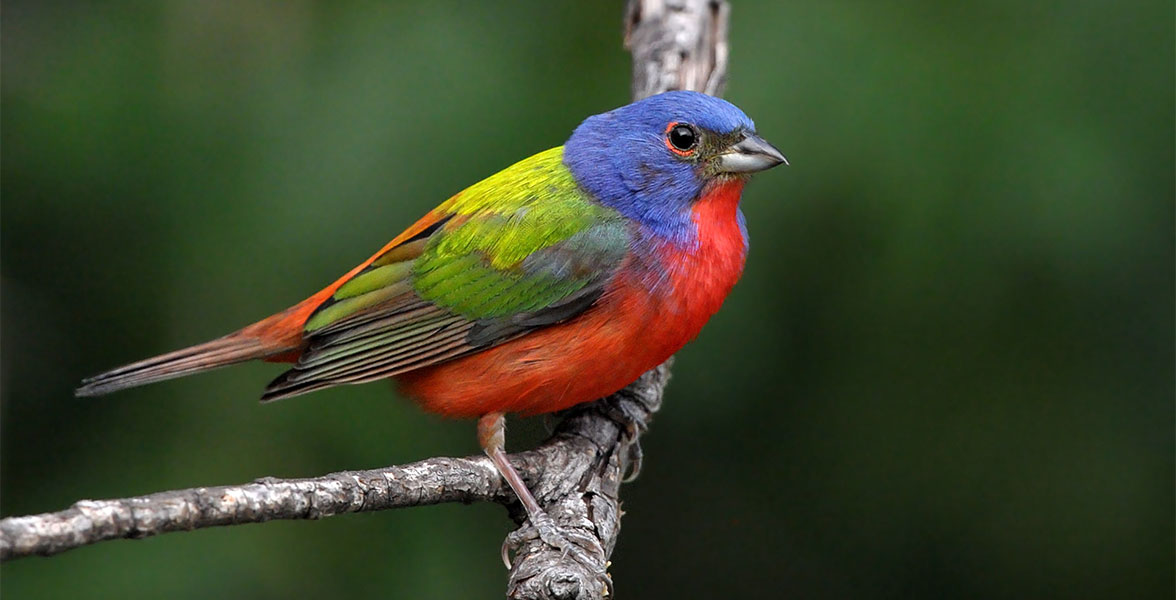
749,155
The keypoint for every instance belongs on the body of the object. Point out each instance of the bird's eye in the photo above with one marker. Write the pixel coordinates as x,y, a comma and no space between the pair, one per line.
681,139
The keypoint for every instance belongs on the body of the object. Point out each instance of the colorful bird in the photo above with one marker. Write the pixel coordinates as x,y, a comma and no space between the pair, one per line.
554,282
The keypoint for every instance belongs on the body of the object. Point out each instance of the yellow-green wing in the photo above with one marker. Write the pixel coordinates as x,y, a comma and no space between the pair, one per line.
521,250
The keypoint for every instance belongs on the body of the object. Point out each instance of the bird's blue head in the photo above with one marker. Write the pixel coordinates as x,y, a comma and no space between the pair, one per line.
651,159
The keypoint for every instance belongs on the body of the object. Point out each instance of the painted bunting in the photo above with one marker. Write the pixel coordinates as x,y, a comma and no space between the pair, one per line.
556,281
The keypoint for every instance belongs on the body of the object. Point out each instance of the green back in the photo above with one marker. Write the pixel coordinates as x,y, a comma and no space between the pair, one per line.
520,250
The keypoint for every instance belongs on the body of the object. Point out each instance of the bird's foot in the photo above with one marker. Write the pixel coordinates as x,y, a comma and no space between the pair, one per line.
542,527
631,420
582,548
634,456
585,550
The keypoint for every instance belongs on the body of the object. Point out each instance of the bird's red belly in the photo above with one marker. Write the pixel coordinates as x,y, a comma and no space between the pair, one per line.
589,357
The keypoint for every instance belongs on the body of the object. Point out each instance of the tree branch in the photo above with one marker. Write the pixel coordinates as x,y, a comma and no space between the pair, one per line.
677,45
575,475
90,521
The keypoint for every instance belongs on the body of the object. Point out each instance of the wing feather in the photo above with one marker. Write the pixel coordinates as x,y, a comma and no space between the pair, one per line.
522,250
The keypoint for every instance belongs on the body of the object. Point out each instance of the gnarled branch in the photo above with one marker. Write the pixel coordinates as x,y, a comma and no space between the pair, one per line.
575,475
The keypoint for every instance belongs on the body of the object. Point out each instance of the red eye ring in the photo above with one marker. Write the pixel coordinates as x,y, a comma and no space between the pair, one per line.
681,138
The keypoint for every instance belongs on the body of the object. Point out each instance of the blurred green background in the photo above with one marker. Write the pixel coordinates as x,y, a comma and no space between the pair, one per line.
947,372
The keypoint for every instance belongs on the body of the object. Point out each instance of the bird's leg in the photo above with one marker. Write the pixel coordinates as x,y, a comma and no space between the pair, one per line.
492,437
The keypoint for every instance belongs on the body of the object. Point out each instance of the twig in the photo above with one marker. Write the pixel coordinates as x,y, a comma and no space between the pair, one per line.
575,475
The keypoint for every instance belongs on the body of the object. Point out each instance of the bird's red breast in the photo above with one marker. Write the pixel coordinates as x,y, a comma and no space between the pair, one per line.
631,329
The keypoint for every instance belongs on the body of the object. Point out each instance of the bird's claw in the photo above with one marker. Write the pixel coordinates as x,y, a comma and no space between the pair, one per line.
632,423
543,528
634,456
515,539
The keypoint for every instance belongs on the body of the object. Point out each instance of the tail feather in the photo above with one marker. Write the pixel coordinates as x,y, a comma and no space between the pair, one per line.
276,338
221,352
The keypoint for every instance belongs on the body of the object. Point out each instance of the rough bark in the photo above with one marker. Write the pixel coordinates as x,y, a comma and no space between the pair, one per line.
677,45
575,475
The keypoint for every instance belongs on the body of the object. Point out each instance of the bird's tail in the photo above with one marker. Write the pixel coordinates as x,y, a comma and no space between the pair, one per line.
220,352
277,338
